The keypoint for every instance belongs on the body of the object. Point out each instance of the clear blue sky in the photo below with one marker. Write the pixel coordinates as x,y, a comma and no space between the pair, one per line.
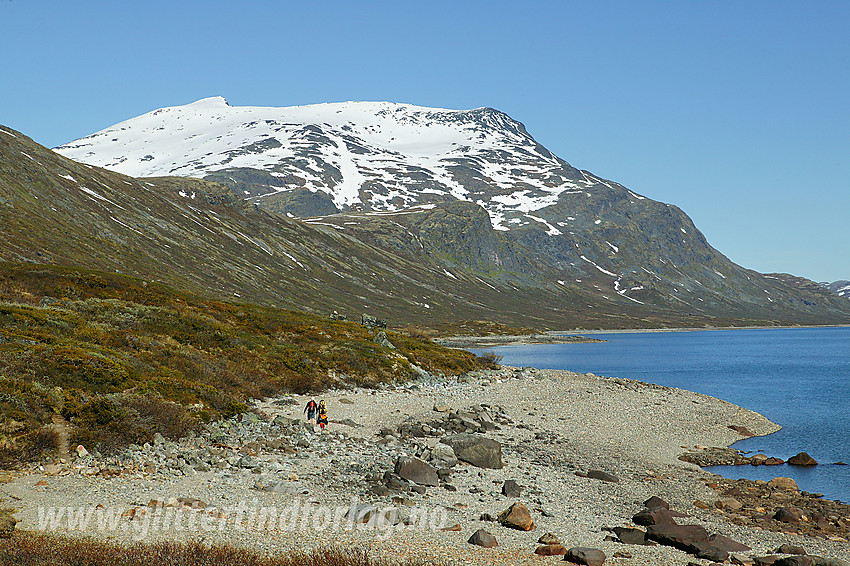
737,112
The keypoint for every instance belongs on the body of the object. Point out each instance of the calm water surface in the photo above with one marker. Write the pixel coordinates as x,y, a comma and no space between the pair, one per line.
798,378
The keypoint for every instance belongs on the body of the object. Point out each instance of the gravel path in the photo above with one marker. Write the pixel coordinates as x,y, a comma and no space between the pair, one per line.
563,423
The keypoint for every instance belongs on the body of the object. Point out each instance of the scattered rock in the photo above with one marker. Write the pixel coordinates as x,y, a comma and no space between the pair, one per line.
550,550
517,516
742,430
361,513
584,555
416,471
789,549
511,488
483,538
599,475
788,515
443,456
476,450
628,535
795,561
549,539
802,459
81,451
682,537
783,483
728,504
656,516
654,502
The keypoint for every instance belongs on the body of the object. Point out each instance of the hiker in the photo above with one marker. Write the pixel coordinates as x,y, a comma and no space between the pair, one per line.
311,409
323,415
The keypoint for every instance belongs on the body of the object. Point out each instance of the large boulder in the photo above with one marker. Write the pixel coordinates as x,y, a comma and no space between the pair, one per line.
584,555
416,471
517,516
683,537
483,538
802,459
477,450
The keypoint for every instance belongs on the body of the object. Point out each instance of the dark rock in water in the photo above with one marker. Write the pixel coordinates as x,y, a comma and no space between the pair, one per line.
788,515
584,555
683,537
789,549
517,516
476,450
654,502
774,461
656,516
796,561
483,538
511,488
599,475
628,535
549,538
416,471
550,550
802,459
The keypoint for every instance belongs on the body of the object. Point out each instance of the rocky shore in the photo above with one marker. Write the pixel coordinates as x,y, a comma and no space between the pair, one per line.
497,467
466,342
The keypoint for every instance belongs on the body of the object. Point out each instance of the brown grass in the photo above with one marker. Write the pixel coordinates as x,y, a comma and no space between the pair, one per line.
34,549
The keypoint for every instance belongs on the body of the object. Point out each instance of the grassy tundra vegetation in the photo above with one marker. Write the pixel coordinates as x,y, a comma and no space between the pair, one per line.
31,549
122,359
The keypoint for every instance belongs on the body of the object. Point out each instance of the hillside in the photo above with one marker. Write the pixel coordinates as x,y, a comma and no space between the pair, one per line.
122,359
464,192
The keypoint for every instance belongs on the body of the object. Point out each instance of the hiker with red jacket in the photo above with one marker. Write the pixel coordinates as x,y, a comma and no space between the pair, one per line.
311,410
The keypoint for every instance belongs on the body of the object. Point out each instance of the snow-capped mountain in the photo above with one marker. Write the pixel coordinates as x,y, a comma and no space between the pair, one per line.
377,156
463,189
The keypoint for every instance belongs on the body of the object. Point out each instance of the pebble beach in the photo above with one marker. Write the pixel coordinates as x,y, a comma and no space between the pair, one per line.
553,427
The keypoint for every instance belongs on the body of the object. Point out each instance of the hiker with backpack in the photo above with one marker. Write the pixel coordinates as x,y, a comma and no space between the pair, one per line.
311,410
322,420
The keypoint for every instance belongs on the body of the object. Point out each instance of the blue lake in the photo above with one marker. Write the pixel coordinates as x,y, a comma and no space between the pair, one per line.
798,378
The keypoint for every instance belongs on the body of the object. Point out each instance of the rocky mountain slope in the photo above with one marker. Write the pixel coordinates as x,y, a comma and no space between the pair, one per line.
425,265
840,288
469,190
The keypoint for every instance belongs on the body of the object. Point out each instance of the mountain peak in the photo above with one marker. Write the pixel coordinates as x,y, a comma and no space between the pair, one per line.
211,102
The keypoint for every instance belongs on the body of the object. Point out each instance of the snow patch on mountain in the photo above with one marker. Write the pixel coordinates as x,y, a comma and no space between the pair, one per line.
377,156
